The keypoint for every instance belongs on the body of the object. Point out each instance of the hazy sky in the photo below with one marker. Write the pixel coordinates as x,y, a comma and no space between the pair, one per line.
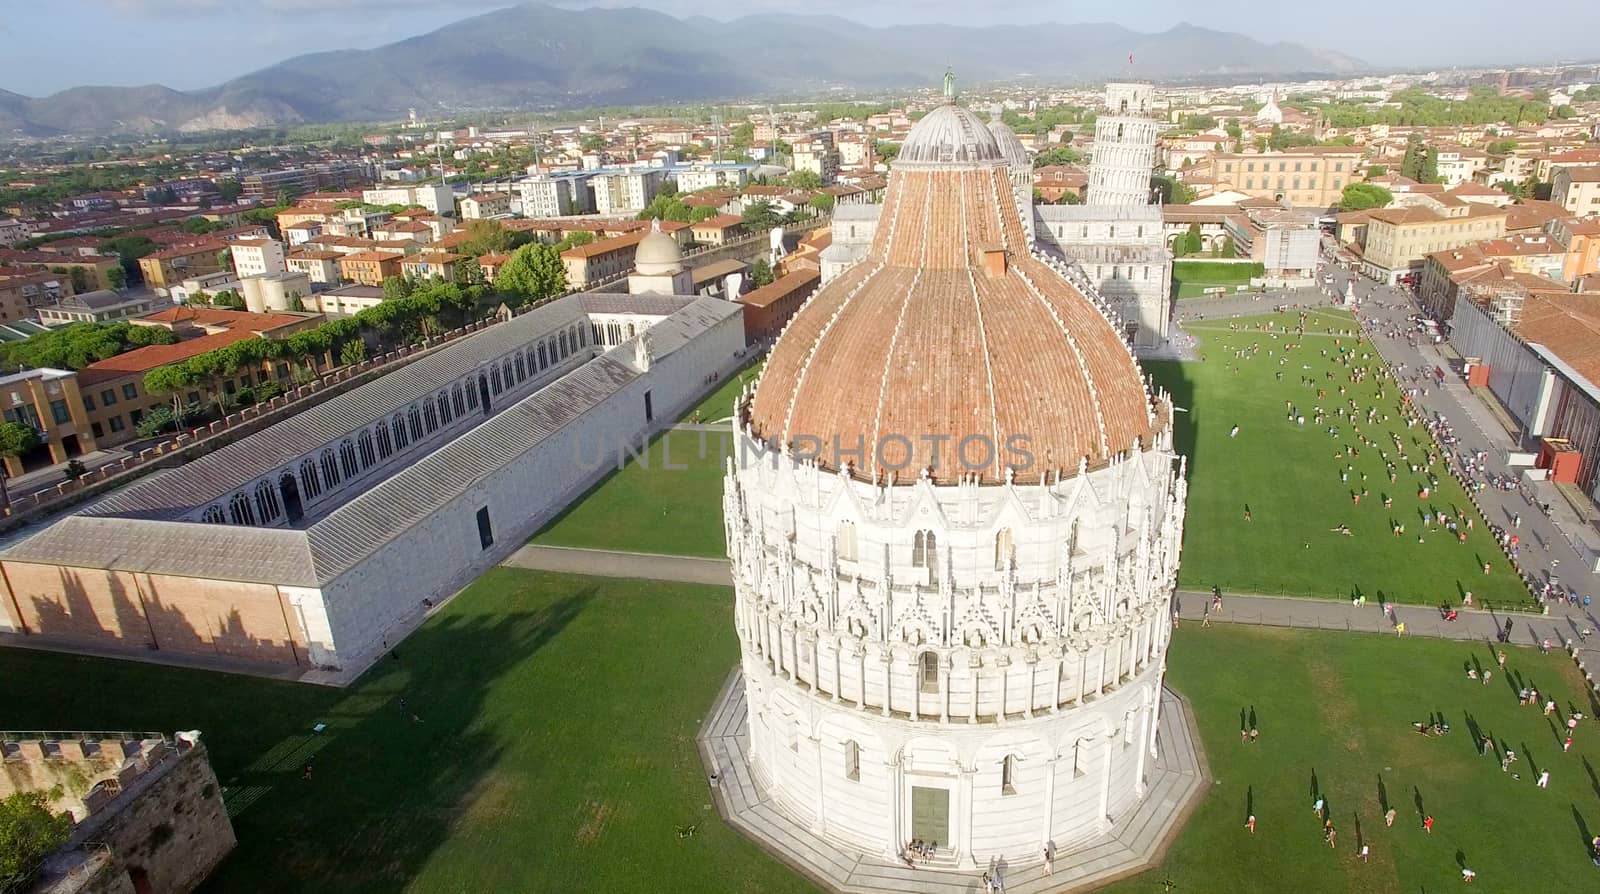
48,45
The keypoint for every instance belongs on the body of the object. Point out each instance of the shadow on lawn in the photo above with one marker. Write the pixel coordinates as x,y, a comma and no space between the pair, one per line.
1186,416
404,762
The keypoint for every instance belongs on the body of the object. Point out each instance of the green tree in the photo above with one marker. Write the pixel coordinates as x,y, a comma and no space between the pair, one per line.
821,202
353,352
533,274
1056,155
398,287
1172,190
80,344
805,180
1377,171
1411,163
1228,249
117,278
701,212
760,273
1234,131
155,421
1429,172
743,135
1197,122
29,833
486,237
1190,243
593,143
1362,196
16,439
760,215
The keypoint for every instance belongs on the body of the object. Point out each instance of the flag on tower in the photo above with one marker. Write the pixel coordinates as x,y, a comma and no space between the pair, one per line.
1130,58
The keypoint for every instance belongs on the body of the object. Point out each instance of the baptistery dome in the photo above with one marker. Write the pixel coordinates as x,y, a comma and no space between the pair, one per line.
658,253
951,646
949,330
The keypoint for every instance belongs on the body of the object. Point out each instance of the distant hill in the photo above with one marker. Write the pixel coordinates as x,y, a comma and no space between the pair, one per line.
539,57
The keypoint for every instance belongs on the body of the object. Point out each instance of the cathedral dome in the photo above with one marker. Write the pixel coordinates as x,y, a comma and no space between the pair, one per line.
1011,148
950,332
658,253
949,134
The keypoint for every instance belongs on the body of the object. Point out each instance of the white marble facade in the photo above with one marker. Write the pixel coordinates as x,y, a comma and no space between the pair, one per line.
998,649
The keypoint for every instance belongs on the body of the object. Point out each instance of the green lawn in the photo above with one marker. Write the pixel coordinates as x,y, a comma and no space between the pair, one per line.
1288,476
719,405
668,500
1190,279
1334,711
555,750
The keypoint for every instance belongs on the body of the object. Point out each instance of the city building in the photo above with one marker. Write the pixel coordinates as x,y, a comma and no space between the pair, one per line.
1287,243
95,271
320,267
321,540
960,646
817,154
1056,182
1124,147
437,199
49,402
717,230
1581,239
257,257
658,266
275,292
13,231
626,191
100,306
692,178
431,265
1577,189
1397,239
548,195
600,260
769,308
1306,177
23,292
369,268
486,205
166,268
345,300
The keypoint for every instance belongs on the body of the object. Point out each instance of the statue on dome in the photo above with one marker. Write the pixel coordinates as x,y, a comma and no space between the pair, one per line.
949,85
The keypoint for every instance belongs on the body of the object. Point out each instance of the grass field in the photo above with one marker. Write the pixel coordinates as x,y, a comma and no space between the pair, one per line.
1289,478
719,404
1190,279
668,500
1334,711
555,752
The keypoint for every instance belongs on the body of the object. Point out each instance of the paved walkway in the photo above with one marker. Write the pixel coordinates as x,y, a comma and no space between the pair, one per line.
610,563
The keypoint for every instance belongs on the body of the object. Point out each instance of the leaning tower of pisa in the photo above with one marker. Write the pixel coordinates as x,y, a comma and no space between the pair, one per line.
1124,147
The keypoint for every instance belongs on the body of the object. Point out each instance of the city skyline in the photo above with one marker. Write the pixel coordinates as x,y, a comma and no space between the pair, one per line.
212,52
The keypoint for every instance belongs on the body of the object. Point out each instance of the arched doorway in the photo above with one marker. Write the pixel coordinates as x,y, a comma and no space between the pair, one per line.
289,489
483,393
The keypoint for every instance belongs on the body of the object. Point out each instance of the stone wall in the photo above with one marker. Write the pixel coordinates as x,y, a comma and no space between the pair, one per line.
154,822
77,762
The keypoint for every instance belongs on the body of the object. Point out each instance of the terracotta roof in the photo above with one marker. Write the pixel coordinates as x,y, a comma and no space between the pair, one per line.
780,288
1532,215
371,256
720,222
218,316
142,360
1017,354
1585,174
1567,324
314,256
603,246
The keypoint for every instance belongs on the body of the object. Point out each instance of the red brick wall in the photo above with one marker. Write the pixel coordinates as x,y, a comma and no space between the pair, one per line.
211,617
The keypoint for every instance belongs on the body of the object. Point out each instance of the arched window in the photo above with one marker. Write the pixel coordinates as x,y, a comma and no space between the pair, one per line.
385,445
364,445
630,331
1080,757
266,501
924,550
852,760
561,344
595,333
398,424
310,482
213,515
240,511
347,458
506,371
444,407
330,467
580,335
1004,552
430,416
494,380
472,397
845,541
928,667
415,416
1008,770
522,367
459,401
542,361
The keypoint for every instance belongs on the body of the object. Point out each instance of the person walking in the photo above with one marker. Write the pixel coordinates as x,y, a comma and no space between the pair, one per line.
1251,824
1544,779
1427,824
1366,853
1317,808
1388,817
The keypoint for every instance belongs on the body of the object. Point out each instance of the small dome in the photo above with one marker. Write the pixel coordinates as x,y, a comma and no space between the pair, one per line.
949,134
658,253
1011,148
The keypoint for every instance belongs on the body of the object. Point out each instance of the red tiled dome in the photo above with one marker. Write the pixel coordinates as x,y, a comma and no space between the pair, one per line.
921,344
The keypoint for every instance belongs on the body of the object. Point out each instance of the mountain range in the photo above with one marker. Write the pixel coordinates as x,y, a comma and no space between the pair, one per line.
536,57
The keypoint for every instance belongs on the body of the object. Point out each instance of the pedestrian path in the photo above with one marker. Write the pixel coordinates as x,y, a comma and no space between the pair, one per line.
614,563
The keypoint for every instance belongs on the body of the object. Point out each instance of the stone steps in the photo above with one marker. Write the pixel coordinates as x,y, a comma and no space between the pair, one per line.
1138,840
